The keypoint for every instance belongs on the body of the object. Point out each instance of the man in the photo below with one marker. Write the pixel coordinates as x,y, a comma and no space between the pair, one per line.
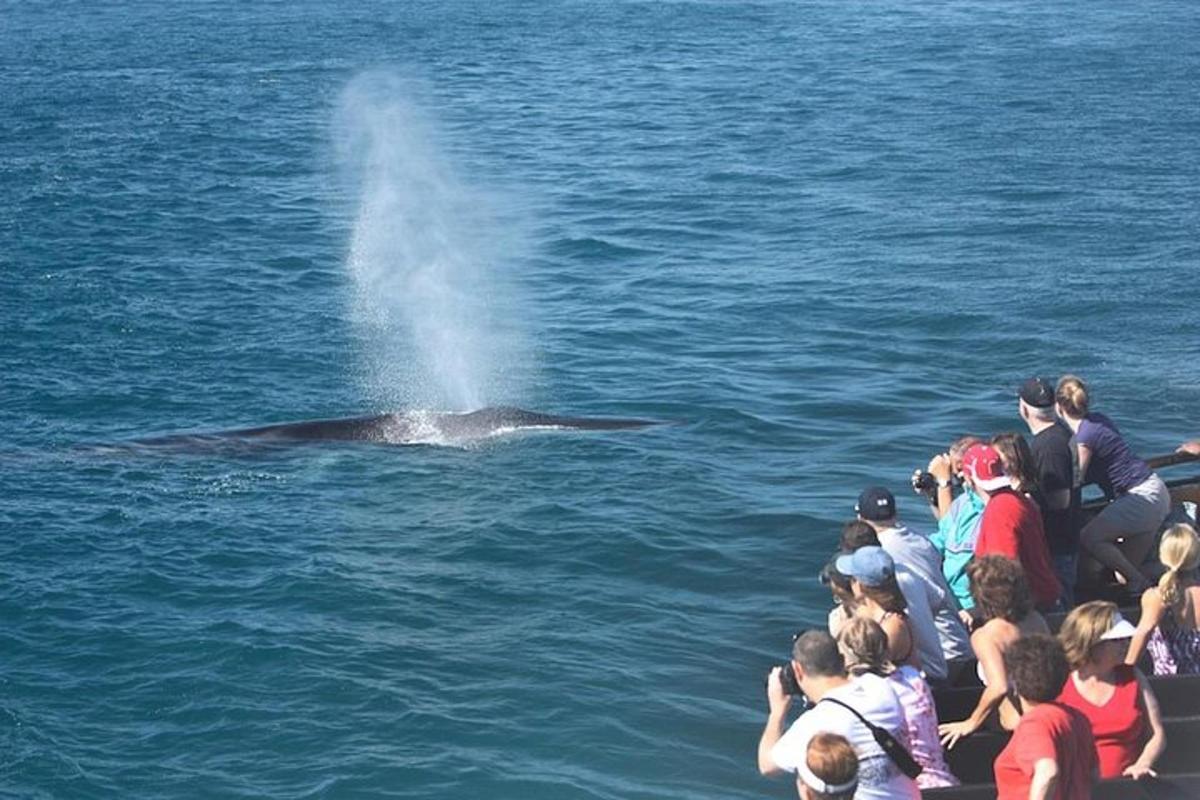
1011,524
958,522
916,554
1054,462
821,674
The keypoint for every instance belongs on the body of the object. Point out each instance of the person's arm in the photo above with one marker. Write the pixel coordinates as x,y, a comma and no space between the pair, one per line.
1045,779
1152,611
1158,736
992,662
900,640
1191,448
777,702
1085,457
939,468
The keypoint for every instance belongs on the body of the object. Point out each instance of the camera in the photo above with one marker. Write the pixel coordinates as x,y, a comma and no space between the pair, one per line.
924,482
787,678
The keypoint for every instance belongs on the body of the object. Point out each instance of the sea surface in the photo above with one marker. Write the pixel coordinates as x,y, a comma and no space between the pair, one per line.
821,239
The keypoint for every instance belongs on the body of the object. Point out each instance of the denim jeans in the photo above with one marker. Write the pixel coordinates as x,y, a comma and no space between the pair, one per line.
1065,568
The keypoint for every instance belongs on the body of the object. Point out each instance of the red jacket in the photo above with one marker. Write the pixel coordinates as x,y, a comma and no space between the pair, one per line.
1012,526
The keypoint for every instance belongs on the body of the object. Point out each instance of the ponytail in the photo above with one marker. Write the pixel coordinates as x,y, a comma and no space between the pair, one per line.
1179,552
1072,396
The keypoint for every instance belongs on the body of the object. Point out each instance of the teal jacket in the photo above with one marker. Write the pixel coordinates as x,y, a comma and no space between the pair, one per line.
955,540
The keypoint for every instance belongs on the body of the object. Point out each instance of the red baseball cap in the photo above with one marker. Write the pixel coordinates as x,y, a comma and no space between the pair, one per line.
982,462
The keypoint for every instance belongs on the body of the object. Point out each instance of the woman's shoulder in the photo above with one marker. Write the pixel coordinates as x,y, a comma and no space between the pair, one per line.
1152,602
1095,422
995,631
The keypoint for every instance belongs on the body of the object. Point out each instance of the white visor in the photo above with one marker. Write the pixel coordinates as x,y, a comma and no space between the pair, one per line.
818,785
1121,629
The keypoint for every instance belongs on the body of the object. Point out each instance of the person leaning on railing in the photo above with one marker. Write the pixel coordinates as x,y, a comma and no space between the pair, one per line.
1005,606
1140,499
1170,623
914,553
1054,468
877,597
1011,525
958,523
1051,753
1115,697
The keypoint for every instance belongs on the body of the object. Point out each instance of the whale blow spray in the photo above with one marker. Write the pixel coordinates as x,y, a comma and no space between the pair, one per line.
429,295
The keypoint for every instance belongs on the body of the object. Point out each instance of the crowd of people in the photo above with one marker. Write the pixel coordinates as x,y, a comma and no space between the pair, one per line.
914,613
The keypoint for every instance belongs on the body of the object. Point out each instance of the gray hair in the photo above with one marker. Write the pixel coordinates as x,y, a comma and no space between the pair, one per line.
1042,414
817,654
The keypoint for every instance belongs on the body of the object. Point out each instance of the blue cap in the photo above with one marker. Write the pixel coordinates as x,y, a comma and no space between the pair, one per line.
870,565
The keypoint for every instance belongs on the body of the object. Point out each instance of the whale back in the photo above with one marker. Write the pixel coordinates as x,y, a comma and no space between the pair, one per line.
404,428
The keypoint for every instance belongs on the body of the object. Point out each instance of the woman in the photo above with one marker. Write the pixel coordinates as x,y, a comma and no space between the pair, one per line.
864,646
1051,752
829,770
1115,697
1170,621
843,597
1005,607
1140,500
877,597
1017,459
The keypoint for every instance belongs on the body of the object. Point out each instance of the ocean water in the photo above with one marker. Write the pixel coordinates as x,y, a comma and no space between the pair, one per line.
822,239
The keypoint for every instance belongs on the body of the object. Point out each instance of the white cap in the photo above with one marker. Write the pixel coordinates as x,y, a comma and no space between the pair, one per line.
810,779
1121,629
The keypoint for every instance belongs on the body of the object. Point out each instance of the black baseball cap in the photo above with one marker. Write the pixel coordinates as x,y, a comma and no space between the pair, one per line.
876,503
1037,392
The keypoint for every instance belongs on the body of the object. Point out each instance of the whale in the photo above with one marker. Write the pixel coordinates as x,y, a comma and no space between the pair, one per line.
396,428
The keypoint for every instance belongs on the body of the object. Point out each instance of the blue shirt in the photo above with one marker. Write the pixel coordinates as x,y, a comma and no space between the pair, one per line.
1113,465
955,540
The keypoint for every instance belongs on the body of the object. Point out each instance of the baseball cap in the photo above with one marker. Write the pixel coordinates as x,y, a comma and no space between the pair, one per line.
1037,392
876,503
1121,629
870,565
982,462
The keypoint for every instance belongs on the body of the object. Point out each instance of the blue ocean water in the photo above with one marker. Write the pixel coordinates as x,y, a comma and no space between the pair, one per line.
823,238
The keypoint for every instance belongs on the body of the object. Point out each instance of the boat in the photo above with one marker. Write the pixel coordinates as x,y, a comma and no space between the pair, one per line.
972,760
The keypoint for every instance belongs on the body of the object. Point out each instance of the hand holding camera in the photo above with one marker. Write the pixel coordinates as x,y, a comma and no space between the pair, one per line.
941,468
782,687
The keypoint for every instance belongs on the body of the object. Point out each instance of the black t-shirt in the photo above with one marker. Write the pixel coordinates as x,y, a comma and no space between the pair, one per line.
1055,462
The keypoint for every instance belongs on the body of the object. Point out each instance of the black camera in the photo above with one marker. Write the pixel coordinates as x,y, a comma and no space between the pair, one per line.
787,678
924,482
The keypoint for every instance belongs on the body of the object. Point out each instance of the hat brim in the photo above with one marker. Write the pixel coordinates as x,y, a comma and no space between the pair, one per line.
1121,629
845,565
993,484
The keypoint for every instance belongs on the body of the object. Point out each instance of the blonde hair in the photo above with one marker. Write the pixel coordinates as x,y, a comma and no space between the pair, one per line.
831,759
1072,396
1082,629
1179,552
864,645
